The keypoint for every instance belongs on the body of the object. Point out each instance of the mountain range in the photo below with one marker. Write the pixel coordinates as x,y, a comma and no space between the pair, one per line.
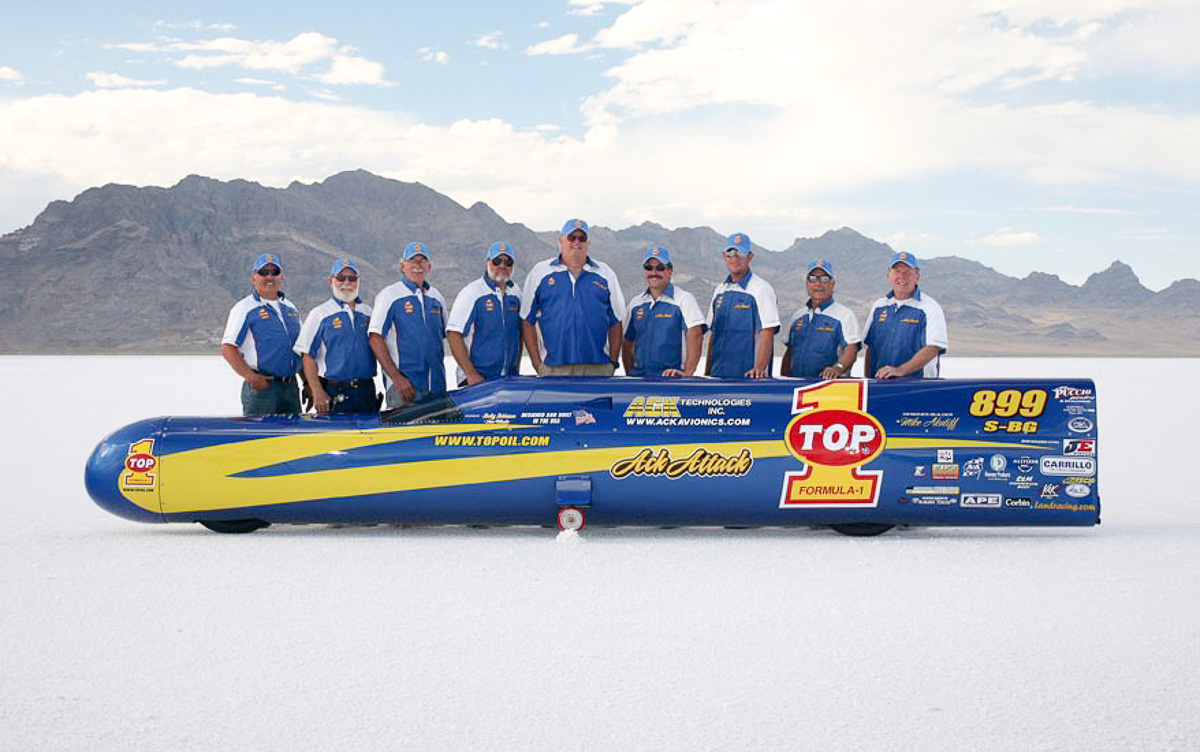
147,269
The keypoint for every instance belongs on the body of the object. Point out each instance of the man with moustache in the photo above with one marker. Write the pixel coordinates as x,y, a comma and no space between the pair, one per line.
484,329
665,329
338,364
575,303
906,332
822,337
407,327
259,335
743,317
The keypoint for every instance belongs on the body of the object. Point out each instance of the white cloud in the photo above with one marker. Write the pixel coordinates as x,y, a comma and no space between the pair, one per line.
103,80
594,7
310,55
567,44
491,41
431,55
1006,237
274,85
10,75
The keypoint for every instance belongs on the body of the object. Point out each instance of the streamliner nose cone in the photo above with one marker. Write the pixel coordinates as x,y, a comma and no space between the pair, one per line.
122,475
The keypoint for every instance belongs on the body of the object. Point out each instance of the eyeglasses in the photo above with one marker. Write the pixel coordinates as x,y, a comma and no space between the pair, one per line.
268,272
502,261
347,278
732,253
654,267
819,278
577,237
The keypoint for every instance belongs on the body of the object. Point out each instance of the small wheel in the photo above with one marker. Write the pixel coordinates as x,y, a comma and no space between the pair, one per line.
861,529
571,518
233,526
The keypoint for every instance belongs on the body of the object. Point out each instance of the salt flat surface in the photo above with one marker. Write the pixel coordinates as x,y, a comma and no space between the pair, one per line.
118,635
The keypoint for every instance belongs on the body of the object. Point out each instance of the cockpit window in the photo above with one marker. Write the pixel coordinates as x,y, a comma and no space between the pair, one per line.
432,409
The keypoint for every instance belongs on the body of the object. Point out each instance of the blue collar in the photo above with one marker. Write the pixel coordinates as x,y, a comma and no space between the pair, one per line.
342,303
257,298
492,285
668,292
915,296
744,281
820,307
412,286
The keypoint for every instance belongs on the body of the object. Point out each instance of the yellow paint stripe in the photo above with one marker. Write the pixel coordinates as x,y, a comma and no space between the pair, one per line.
905,443
197,484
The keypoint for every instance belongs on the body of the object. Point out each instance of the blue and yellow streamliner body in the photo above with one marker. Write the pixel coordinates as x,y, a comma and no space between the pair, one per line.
633,452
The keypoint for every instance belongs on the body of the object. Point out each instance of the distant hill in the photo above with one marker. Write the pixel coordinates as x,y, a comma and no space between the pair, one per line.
121,268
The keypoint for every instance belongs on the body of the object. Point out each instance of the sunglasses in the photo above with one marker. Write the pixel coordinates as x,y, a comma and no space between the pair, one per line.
732,253
347,278
654,267
502,261
577,237
268,272
819,278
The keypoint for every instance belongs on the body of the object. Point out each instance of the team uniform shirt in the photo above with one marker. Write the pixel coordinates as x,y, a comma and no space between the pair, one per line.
412,321
490,321
574,314
264,332
817,336
896,330
739,311
336,337
658,329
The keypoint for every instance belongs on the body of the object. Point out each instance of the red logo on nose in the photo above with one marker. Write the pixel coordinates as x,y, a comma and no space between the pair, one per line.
140,463
835,438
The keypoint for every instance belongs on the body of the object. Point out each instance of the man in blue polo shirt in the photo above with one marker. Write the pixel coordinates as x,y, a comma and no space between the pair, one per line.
575,303
484,329
259,334
906,331
337,359
664,329
407,327
743,318
822,337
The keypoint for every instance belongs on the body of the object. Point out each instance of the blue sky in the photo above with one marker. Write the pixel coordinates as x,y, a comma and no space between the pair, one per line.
1056,136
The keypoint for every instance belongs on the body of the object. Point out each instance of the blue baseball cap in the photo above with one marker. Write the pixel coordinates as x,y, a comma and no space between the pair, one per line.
342,263
659,252
500,249
571,225
904,257
415,249
263,259
821,264
740,242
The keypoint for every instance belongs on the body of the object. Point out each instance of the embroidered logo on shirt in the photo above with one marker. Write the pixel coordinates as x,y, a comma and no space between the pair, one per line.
408,306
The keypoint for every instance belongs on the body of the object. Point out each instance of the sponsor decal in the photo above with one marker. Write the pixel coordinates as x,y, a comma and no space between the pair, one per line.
1068,466
945,471
550,418
1072,394
833,435
932,490
980,501
1025,464
497,417
997,463
1024,482
1050,490
919,471
1018,502
701,463
1080,425
972,468
1077,490
1085,447
1085,481
140,473
522,440
1064,506
667,411
945,455
934,500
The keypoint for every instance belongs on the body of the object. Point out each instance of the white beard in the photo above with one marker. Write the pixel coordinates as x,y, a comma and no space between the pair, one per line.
345,297
499,278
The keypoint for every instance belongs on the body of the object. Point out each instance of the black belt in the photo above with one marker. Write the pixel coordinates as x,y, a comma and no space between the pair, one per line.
353,383
281,379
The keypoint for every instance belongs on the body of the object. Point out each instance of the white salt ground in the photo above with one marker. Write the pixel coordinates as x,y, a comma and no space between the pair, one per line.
119,636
